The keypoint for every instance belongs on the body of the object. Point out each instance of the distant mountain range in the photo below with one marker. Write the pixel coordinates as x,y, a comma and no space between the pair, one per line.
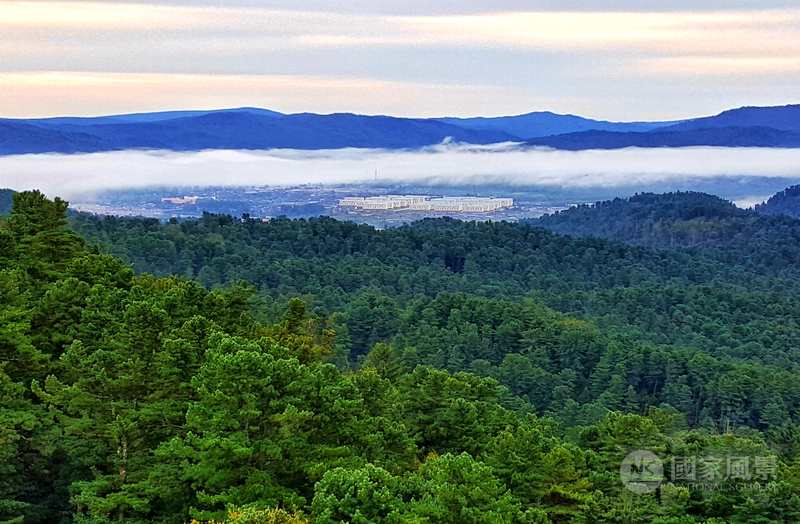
253,128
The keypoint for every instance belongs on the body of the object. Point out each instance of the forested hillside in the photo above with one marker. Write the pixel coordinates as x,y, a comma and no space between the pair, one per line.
786,202
703,223
463,297
669,220
445,372
340,266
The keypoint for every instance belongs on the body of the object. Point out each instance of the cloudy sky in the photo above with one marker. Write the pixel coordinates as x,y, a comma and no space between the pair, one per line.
621,59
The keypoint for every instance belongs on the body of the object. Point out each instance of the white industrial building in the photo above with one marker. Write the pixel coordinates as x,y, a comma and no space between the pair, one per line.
382,202
352,202
424,203
181,200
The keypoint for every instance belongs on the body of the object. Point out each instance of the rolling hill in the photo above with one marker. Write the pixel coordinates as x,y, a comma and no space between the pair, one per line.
254,128
134,118
786,118
545,123
686,220
720,137
234,129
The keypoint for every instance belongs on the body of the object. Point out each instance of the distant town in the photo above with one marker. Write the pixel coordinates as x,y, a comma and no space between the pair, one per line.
381,206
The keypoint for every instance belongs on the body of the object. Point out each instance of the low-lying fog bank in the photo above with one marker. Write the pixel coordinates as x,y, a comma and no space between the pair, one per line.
73,176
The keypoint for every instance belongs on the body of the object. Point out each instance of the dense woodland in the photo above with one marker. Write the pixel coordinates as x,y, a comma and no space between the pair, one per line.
764,239
444,372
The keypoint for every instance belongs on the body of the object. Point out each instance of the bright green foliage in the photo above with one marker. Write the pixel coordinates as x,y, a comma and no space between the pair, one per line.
17,418
364,495
250,515
542,470
41,240
448,489
453,413
253,515
458,489
268,434
385,360
632,320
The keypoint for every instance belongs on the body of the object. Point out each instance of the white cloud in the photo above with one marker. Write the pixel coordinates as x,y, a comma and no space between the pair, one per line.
724,66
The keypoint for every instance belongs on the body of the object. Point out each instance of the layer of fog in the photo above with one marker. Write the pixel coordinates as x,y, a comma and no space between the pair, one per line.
78,176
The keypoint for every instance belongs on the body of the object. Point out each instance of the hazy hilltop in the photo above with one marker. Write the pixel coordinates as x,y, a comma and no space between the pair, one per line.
777,126
6,201
139,118
786,202
254,128
786,118
546,123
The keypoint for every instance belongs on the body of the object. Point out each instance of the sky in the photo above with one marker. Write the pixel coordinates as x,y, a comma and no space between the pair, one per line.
618,60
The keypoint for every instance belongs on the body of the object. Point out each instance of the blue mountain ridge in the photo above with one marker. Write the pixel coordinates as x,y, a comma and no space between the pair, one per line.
254,128
232,130
785,118
158,116
546,123
753,136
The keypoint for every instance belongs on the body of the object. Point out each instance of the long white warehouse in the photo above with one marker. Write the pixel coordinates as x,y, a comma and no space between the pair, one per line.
424,203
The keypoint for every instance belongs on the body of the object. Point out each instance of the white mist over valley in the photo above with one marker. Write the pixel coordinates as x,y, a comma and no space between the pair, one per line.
80,175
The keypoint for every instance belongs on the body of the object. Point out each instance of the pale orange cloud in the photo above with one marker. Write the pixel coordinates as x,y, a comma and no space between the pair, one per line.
725,31
720,66
79,92
291,59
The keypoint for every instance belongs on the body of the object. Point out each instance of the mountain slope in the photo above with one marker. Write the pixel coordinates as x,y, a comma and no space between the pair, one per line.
546,123
686,220
254,128
145,117
786,202
633,219
719,137
786,118
19,137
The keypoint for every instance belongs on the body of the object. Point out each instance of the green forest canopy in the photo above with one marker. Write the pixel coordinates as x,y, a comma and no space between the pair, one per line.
314,370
